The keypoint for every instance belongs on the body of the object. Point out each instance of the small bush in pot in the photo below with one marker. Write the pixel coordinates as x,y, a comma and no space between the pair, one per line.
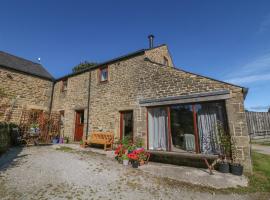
66,139
225,150
235,167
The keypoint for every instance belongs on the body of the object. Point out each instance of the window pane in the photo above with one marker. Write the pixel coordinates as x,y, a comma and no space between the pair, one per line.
182,128
212,124
104,74
158,129
82,118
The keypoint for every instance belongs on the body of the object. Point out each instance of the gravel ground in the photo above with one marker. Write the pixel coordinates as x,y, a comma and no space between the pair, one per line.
46,173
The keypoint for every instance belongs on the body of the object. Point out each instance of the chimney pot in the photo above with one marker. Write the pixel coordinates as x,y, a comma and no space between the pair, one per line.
151,41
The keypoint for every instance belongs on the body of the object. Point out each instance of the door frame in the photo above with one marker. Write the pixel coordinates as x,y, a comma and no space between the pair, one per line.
121,123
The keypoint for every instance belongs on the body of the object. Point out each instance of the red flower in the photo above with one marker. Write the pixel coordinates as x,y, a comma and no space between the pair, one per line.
132,156
119,150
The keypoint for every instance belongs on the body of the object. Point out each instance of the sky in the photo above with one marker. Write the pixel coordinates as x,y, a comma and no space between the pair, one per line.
227,40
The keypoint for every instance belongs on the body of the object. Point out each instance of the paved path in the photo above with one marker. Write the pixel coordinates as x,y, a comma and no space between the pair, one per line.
261,148
46,173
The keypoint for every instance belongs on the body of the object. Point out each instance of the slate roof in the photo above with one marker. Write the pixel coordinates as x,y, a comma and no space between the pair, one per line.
20,64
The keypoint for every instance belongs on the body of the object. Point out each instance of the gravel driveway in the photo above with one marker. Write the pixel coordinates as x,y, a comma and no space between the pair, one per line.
46,173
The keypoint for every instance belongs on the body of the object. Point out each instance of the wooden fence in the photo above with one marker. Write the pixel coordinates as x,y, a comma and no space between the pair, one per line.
258,123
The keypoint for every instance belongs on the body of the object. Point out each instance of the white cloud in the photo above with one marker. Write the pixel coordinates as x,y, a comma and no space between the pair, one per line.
254,71
265,108
249,79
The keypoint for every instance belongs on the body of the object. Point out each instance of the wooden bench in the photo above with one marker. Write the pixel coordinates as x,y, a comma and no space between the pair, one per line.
105,138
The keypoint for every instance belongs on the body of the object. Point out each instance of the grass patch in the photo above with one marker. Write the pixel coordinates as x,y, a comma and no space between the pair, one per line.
265,143
64,148
260,180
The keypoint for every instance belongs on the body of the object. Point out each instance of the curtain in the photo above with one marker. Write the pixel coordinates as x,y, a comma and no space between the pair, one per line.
207,118
158,129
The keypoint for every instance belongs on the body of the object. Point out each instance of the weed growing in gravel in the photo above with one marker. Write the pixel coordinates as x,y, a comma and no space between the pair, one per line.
64,148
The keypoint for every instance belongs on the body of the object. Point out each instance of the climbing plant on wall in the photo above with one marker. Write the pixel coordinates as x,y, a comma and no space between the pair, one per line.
4,103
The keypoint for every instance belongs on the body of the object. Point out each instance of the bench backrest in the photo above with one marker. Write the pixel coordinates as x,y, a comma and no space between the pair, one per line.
106,136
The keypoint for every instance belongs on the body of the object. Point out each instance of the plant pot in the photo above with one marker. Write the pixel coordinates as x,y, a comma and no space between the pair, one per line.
224,167
236,169
141,162
135,164
125,162
55,141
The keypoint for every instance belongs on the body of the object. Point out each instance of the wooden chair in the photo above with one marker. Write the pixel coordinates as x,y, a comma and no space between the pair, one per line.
105,138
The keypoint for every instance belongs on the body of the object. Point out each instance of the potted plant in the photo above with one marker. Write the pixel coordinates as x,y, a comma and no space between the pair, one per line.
55,139
125,159
82,144
142,155
225,150
119,151
138,142
66,139
235,167
34,129
134,159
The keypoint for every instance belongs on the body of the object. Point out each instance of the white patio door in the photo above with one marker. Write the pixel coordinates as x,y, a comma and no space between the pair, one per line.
158,129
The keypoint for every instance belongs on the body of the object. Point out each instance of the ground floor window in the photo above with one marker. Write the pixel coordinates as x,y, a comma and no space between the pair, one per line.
187,127
158,128
126,129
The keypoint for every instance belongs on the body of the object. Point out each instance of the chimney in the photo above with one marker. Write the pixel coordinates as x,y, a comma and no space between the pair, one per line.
151,41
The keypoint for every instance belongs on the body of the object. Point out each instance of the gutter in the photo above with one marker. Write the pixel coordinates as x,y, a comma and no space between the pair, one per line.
51,102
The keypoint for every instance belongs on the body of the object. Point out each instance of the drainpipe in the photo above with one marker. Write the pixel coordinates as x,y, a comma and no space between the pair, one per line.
88,106
50,107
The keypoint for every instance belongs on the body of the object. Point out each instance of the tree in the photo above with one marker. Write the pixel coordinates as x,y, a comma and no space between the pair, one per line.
84,65
269,109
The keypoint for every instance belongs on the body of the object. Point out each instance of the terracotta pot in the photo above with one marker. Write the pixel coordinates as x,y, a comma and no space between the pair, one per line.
141,162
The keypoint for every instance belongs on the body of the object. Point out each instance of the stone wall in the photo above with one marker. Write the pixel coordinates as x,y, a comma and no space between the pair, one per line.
156,81
137,78
23,91
157,55
74,98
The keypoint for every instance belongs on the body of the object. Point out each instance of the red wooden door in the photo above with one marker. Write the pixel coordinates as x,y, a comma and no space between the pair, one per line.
79,124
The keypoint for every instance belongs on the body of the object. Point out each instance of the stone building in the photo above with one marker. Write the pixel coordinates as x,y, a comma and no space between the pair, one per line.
23,85
144,95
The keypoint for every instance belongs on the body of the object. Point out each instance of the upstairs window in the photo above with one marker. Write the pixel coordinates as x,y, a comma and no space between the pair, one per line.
165,61
64,85
103,74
